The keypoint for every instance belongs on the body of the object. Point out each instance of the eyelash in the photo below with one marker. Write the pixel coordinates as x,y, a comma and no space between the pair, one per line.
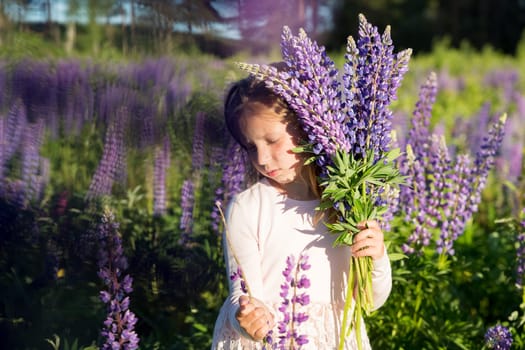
251,148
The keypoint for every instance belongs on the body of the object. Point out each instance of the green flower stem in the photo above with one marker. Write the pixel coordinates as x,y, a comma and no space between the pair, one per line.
348,304
352,186
228,241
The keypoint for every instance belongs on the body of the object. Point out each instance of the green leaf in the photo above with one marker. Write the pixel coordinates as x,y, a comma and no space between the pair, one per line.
396,256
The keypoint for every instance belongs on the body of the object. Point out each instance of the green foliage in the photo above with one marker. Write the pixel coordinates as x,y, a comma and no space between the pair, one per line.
352,186
20,45
73,159
443,302
55,343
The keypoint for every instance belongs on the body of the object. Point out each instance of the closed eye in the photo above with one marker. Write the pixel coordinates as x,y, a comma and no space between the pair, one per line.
250,148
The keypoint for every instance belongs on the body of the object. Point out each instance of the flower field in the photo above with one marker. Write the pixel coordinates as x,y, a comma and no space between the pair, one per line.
109,174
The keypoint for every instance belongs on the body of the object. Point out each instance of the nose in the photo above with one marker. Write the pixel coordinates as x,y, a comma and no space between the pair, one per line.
263,155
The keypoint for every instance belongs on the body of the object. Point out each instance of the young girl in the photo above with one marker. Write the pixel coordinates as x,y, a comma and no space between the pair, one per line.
275,220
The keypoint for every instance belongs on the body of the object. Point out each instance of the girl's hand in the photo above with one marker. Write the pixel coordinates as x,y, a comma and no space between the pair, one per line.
369,241
254,317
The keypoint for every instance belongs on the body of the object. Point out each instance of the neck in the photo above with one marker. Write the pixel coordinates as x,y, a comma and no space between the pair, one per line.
295,190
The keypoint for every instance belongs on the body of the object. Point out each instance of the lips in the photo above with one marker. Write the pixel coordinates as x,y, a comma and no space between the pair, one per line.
271,173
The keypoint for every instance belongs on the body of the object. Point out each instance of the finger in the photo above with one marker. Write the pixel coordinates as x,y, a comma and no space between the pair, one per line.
262,327
371,224
255,325
368,234
365,241
368,248
244,300
245,307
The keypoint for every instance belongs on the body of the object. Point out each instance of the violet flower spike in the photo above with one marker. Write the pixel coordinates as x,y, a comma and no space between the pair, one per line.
233,179
372,76
292,317
520,253
162,163
485,158
112,159
187,202
311,88
118,331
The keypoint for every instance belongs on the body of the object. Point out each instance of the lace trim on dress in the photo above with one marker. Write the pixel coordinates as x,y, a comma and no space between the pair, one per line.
321,329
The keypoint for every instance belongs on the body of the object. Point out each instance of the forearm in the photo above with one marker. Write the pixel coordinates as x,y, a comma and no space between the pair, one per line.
381,280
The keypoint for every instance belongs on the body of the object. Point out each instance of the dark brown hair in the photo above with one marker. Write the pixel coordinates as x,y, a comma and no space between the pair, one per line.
249,93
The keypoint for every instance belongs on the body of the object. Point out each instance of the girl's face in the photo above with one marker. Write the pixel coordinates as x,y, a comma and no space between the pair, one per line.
269,141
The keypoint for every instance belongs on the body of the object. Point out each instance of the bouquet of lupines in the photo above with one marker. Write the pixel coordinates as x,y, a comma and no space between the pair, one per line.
348,124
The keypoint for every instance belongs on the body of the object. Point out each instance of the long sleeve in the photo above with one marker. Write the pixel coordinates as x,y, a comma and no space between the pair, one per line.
381,280
243,243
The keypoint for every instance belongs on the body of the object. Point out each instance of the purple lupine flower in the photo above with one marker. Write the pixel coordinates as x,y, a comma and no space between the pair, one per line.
457,212
509,159
14,192
439,165
118,331
148,131
111,162
198,143
505,79
3,155
352,116
313,77
234,177
284,332
475,128
520,253
75,96
162,163
413,201
485,159
450,83
498,337
419,134
292,317
188,187
413,195
372,76
310,87
187,199
3,83
430,191
31,160
442,193
13,130
238,275
520,270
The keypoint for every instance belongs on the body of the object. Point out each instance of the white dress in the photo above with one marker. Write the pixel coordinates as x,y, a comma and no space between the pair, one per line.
265,228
